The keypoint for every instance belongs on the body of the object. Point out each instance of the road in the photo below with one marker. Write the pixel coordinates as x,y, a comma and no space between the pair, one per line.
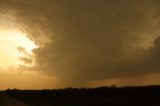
6,100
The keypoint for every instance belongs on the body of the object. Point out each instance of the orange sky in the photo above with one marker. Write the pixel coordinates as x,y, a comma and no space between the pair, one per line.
10,74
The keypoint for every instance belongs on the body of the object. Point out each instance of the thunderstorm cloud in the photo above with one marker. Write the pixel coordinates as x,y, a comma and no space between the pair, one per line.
83,40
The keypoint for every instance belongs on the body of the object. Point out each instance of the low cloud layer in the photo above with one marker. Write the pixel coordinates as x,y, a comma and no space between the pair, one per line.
83,40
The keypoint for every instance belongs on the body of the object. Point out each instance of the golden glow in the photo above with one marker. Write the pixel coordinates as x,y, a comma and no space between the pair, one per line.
10,39
14,78
10,75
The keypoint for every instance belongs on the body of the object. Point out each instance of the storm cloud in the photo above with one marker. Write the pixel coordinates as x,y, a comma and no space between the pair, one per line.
81,40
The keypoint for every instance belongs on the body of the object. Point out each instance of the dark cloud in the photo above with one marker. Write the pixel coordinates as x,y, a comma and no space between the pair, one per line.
81,40
23,51
27,58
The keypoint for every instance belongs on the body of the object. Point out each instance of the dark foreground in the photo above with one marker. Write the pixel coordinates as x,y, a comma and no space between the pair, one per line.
104,96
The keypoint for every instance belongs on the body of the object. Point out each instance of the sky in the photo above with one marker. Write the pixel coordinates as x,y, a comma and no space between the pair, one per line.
79,43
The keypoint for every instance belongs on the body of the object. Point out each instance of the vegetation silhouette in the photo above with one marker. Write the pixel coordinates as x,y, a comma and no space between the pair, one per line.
101,96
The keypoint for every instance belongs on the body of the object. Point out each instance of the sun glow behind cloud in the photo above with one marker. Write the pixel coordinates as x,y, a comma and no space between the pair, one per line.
10,39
